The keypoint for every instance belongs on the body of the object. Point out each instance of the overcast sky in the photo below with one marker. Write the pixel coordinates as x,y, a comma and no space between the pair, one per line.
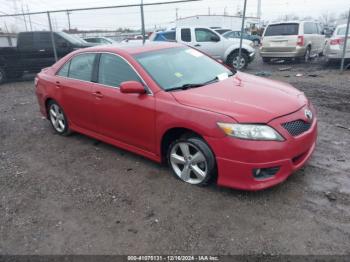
157,15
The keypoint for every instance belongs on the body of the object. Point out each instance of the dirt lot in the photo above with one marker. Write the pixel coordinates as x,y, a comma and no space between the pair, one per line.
75,195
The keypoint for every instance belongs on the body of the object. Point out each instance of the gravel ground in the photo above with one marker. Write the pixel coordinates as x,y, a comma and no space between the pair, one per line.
76,195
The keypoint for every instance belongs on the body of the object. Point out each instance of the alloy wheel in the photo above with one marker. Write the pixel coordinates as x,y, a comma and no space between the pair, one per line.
241,64
57,118
188,163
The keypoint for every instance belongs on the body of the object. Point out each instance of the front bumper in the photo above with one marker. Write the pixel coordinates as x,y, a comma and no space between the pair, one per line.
236,158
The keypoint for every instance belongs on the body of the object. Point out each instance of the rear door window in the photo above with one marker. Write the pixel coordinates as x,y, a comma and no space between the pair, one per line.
81,67
26,41
309,28
282,29
186,34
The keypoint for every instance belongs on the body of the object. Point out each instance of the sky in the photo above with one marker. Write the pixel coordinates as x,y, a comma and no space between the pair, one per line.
155,16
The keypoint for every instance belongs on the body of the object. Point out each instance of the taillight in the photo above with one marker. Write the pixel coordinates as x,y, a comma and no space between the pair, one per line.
300,41
337,41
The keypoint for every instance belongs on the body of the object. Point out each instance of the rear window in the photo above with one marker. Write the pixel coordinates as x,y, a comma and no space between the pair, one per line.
282,29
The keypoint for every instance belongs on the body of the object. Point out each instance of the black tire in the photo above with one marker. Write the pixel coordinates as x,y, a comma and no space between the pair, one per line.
2,76
202,146
15,75
234,55
56,127
266,59
307,55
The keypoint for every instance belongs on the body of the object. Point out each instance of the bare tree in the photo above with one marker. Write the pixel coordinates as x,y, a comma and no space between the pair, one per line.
344,15
288,17
327,18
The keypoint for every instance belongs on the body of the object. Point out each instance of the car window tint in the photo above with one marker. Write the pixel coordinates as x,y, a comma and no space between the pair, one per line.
308,28
81,67
282,29
113,70
43,40
26,40
204,35
64,70
169,35
186,34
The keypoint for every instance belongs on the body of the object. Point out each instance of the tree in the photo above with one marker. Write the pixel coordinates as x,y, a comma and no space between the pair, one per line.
288,17
344,15
327,18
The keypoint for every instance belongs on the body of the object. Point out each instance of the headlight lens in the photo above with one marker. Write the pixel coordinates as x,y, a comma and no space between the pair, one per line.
251,131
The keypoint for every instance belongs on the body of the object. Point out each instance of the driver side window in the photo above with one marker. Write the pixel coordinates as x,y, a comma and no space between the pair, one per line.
204,35
113,70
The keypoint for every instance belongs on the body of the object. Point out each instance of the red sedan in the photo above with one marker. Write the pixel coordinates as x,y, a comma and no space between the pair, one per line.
172,103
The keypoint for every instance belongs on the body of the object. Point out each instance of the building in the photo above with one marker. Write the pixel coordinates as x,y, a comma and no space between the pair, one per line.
223,21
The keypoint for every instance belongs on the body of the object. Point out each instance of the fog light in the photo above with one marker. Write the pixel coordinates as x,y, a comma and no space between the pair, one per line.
262,173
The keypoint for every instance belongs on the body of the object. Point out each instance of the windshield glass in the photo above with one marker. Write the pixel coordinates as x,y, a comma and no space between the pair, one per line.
282,29
176,67
71,39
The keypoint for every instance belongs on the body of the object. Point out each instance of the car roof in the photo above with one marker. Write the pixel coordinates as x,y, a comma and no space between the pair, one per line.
132,48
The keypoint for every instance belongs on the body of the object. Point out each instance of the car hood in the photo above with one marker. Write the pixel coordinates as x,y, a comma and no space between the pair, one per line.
244,97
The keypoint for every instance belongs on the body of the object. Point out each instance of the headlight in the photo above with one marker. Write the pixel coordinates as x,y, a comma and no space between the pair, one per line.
251,131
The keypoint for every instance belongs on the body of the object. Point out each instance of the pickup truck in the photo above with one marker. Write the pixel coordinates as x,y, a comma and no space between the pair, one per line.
34,51
211,43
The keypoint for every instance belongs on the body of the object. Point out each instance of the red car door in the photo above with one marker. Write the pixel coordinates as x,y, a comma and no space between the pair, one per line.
74,80
128,118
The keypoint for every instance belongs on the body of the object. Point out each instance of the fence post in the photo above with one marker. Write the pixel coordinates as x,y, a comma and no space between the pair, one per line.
52,37
345,43
241,38
143,23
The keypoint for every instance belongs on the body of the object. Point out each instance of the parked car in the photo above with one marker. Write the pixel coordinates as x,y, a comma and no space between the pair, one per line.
163,36
237,34
100,40
296,39
213,44
222,31
170,102
335,45
34,51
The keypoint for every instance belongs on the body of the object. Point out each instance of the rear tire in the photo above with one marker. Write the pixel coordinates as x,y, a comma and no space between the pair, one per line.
192,161
2,76
266,60
58,118
233,58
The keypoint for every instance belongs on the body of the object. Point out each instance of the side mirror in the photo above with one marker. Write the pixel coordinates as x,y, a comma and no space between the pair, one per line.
215,39
132,87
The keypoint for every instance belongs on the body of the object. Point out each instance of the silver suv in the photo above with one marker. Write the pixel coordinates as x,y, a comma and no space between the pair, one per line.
296,39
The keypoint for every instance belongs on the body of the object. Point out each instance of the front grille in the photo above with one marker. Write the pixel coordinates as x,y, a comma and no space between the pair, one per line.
296,127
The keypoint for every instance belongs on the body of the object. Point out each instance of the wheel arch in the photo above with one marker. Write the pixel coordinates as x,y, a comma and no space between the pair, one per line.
172,134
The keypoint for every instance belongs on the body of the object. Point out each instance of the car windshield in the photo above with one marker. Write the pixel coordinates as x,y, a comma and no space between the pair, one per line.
182,68
72,39
282,29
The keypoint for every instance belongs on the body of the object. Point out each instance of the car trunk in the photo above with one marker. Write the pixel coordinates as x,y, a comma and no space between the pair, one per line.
280,37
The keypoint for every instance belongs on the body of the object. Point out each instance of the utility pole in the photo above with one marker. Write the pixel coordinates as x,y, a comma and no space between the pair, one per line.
176,13
24,18
345,43
258,12
142,23
52,37
241,38
30,19
68,16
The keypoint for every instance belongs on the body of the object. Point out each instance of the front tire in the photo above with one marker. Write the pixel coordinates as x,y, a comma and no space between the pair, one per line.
192,161
58,119
233,59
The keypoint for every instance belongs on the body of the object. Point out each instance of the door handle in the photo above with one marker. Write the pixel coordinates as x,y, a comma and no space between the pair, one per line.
98,94
197,45
42,50
58,84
